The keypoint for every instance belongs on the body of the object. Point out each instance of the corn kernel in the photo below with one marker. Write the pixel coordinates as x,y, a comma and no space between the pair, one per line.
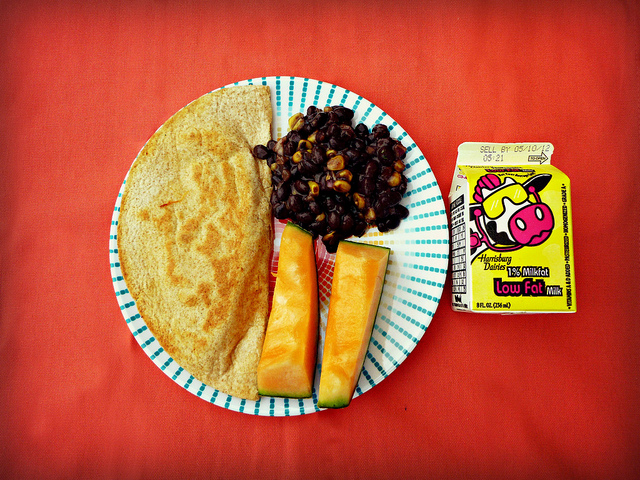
336,163
394,179
359,201
304,145
296,121
341,186
314,188
345,175
370,216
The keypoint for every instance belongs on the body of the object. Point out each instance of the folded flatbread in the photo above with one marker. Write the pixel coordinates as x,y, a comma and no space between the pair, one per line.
195,236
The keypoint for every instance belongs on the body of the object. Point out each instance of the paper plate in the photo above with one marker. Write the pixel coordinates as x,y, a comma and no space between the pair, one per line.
415,276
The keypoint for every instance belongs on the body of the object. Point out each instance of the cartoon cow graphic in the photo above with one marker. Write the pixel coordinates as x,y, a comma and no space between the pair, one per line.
508,215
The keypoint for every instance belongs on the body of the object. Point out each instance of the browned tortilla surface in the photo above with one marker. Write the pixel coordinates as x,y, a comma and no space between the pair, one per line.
195,236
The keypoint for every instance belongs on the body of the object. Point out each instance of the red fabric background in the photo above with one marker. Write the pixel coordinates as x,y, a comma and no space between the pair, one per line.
82,86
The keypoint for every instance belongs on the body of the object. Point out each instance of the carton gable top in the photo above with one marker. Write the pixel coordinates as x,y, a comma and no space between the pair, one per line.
499,154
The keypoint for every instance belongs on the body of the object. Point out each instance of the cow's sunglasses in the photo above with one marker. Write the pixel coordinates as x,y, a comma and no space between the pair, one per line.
493,205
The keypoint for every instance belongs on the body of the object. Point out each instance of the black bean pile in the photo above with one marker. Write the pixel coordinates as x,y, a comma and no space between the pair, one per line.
335,180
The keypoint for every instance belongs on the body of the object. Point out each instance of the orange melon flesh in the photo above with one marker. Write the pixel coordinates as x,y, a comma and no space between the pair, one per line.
358,279
289,353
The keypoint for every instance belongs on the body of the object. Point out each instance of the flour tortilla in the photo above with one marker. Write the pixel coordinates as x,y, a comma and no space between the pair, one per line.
195,236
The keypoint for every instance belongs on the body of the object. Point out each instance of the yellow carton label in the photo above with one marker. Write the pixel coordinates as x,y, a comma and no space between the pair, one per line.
512,240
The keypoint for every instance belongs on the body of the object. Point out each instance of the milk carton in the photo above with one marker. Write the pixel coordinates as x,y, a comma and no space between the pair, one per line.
511,237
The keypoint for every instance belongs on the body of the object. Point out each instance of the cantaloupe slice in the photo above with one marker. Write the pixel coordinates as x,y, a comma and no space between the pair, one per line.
358,279
289,353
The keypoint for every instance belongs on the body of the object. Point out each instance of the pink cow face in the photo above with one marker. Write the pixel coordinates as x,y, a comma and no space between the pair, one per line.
510,215
531,225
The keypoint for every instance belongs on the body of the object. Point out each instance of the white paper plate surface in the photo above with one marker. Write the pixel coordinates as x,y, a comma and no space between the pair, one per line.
415,276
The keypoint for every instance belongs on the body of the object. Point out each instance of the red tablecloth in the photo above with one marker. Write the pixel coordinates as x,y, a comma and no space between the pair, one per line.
84,84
